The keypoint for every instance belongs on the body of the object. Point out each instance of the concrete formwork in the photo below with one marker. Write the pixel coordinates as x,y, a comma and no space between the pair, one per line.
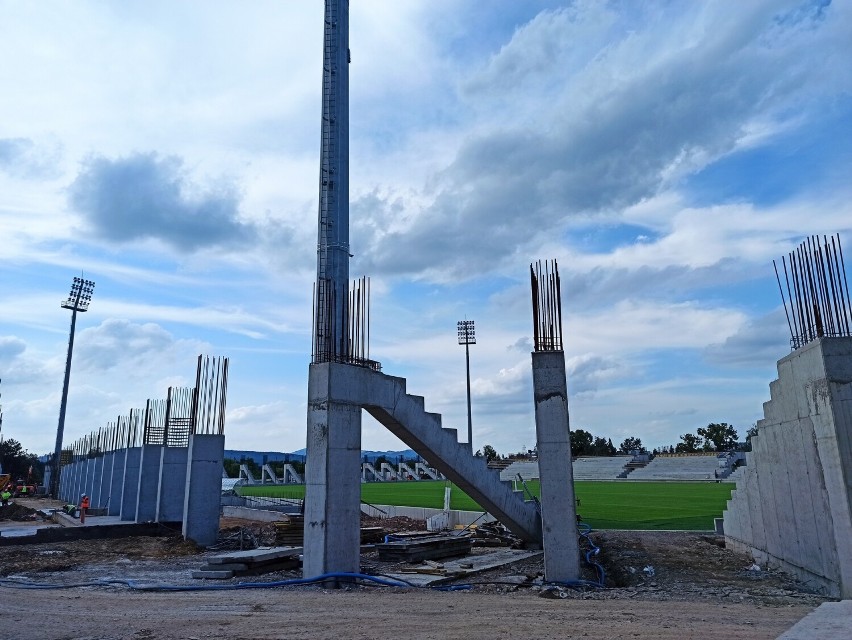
203,493
148,488
130,483
171,486
792,508
332,490
102,481
558,509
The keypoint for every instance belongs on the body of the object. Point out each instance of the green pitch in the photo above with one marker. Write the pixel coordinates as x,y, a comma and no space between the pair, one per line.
603,505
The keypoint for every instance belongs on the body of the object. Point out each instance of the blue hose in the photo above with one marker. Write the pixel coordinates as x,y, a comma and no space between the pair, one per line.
141,586
592,553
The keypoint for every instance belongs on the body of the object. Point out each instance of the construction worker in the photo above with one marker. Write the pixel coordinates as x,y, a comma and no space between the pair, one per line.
84,504
4,496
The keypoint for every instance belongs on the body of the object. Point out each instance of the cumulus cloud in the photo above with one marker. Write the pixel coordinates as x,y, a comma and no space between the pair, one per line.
133,349
585,373
146,196
23,158
757,343
10,348
619,120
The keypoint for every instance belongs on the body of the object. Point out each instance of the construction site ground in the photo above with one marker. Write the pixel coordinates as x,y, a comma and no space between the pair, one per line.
660,585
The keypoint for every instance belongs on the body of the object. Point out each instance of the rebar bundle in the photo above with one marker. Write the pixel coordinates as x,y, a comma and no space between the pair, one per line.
547,306
817,290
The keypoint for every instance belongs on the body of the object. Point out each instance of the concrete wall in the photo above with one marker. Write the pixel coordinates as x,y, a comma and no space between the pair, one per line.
171,487
130,484
116,480
792,508
148,489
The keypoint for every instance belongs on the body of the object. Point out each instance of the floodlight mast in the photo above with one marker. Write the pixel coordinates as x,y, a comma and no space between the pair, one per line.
467,337
78,300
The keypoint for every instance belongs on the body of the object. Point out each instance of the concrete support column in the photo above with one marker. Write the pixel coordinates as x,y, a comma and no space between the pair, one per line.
116,482
130,484
203,493
332,475
172,484
558,510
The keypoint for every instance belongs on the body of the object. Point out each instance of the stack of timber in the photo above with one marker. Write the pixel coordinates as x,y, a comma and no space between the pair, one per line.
249,563
290,531
424,548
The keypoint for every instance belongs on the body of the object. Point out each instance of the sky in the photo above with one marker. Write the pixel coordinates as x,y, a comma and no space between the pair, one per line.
663,153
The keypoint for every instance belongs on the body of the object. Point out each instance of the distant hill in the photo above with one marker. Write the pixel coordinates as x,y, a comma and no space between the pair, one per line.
263,457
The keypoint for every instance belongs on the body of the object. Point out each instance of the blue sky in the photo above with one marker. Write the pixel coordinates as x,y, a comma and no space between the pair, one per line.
664,153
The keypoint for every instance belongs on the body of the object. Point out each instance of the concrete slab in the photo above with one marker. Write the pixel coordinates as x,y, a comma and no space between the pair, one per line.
260,554
829,621
467,566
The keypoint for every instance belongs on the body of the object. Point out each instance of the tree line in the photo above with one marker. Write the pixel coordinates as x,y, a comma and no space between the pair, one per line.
716,436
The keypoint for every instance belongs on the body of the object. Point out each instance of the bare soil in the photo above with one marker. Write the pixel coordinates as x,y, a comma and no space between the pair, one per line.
660,585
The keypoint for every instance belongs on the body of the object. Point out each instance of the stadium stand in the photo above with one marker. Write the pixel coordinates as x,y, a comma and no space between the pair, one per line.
585,468
600,468
701,467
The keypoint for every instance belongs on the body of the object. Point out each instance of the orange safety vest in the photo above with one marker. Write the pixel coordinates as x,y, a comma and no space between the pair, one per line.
84,503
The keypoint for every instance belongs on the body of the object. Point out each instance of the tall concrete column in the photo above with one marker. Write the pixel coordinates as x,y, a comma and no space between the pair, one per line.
130,484
558,510
203,493
149,482
332,474
172,485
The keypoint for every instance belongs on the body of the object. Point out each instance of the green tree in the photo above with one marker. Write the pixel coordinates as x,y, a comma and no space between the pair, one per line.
690,443
17,461
581,443
232,467
720,436
631,444
490,453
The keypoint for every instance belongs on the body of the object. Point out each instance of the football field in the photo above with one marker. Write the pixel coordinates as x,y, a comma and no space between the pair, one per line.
602,505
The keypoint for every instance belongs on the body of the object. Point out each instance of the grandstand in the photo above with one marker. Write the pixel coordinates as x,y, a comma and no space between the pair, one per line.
585,468
675,467
685,467
600,468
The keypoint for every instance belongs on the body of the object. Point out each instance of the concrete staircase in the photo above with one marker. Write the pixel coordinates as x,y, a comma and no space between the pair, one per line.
384,397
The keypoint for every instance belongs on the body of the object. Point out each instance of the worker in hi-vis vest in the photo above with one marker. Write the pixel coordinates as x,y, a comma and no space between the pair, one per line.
84,504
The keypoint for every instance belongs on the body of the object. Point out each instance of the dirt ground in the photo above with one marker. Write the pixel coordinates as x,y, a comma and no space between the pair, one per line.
660,585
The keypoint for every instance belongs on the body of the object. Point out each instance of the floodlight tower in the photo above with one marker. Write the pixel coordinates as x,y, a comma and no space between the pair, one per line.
331,295
78,300
467,337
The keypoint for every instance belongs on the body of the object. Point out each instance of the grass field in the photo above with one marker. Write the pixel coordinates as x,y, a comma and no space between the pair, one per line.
603,505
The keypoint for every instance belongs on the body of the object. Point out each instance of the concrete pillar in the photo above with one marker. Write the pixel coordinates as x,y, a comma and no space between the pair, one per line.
149,482
558,509
332,476
172,485
203,493
116,482
130,484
